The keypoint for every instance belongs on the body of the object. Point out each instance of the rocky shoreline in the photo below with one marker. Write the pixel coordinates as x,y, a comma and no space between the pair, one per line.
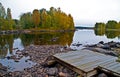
111,48
45,64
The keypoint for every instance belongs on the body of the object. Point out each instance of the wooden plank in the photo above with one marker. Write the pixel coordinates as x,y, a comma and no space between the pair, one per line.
108,61
114,72
78,58
71,53
90,59
115,67
75,57
92,64
81,72
109,65
85,62
90,67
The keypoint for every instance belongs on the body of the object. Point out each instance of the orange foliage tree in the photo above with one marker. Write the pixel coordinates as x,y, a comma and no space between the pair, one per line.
36,18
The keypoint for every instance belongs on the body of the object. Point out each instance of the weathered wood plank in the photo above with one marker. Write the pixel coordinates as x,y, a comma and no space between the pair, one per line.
109,65
90,67
85,62
113,67
78,58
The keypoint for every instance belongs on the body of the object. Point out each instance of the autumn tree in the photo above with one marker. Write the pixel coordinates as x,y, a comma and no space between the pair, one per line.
49,19
43,18
36,18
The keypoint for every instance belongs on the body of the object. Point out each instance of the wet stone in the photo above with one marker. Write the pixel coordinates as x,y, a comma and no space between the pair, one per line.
52,71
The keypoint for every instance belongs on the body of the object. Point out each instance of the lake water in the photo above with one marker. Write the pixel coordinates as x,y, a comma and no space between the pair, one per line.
10,42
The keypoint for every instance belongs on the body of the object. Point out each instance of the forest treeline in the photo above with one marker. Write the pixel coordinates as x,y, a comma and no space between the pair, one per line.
6,22
110,29
112,24
54,19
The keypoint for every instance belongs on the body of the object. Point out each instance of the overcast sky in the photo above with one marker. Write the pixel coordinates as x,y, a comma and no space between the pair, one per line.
83,11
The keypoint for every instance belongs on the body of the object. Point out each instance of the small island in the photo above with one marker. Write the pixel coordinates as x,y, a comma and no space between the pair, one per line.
110,29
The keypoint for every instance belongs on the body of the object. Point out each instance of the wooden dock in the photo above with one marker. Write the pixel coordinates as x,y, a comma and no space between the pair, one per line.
86,62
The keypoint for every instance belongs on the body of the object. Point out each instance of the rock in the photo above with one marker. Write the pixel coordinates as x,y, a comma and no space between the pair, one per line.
112,53
13,57
112,44
39,55
61,74
8,57
52,71
1,65
26,60
102,75
95,45
25,53
2,73
14,48
106,46
3,68
76,44
51,63
101,42
18,52
29,75
46,76
100,45
10,74
16,60
118,45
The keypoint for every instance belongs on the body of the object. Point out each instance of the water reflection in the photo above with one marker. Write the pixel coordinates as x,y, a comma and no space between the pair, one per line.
6,43
108,33
9,44
47,38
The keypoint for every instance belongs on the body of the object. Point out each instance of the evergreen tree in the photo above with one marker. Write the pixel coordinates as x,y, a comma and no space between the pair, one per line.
111,25
2,11
9,16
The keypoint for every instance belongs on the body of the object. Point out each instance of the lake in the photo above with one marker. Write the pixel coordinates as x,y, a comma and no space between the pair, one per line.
9,44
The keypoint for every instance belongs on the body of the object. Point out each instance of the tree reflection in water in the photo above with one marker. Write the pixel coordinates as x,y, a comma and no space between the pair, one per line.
108,33
52,38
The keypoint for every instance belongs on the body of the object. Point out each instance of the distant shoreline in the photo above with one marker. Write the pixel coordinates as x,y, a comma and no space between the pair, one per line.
80,27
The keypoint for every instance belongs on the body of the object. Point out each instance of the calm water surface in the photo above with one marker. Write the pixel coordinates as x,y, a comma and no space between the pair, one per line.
84,37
